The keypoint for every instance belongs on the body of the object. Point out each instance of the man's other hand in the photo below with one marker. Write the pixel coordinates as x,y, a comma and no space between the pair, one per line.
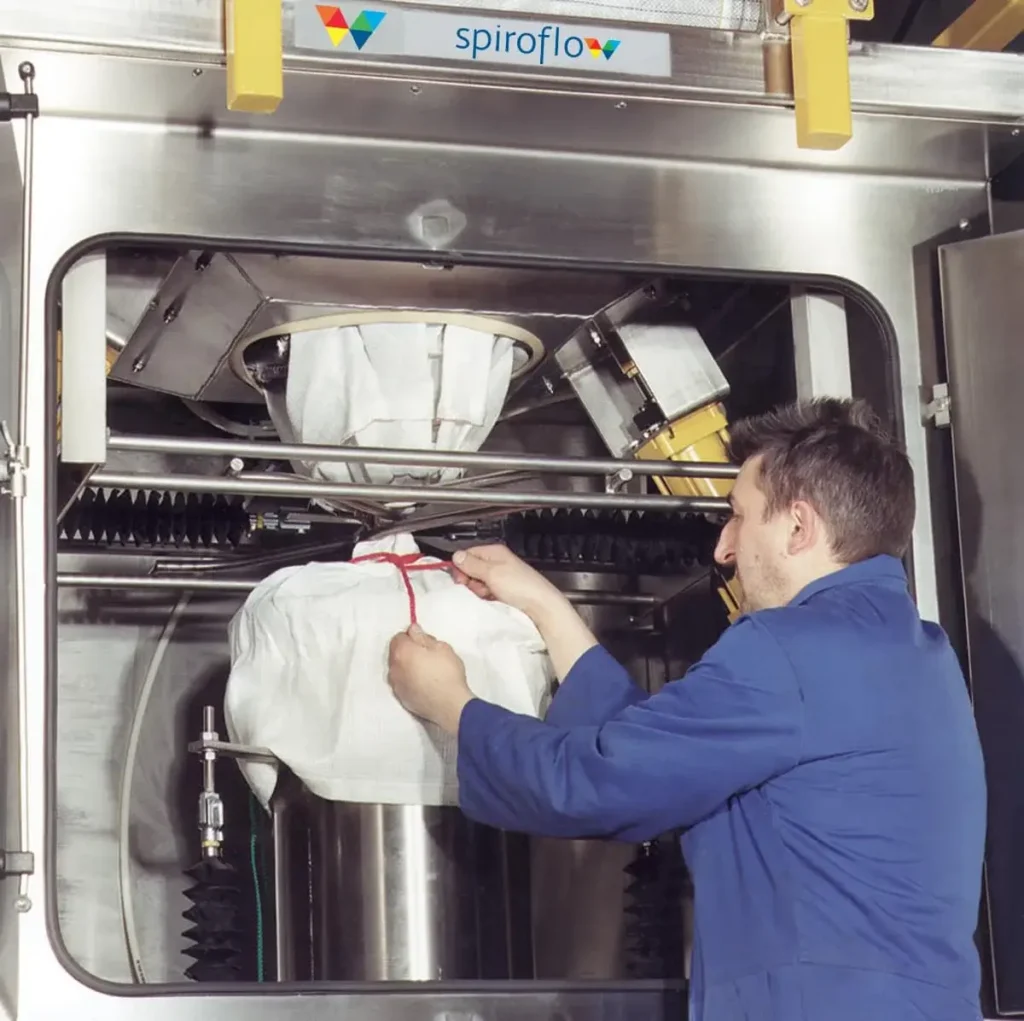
428,678
495,572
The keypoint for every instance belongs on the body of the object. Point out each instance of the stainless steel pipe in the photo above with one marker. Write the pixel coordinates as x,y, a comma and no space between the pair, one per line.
184,583
412,494
417,458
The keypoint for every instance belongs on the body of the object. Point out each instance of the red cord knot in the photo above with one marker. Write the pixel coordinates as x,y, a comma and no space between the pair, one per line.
406,564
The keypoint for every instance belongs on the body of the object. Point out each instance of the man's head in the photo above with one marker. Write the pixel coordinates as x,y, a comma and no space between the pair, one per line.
820,487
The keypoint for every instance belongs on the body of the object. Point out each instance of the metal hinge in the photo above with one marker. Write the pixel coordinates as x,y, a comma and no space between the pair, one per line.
938,408
13,463
17,863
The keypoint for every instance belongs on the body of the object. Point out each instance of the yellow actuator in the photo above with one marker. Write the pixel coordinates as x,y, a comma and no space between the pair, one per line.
818,31
252,35
699,436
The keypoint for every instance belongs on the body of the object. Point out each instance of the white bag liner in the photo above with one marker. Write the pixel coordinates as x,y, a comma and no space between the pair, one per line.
400,385
309,676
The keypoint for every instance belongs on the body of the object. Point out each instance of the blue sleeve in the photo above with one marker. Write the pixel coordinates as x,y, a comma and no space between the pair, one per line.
593,691
733,722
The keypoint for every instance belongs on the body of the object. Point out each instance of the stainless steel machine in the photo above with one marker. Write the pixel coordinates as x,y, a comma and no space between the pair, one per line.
663,257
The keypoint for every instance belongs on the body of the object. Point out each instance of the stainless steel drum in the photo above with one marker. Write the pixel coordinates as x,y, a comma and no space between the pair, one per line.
398,893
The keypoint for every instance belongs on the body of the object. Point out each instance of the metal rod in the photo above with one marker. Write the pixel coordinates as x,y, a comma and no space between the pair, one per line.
27,73
418,458
183,583
209,725
414,494
280,810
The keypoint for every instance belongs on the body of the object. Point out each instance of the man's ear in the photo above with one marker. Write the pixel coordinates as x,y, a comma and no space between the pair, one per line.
805,528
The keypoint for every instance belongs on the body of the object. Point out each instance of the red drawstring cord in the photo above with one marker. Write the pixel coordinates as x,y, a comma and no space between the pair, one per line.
406,563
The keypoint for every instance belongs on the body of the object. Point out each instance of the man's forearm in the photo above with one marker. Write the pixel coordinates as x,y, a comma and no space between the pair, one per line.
564,633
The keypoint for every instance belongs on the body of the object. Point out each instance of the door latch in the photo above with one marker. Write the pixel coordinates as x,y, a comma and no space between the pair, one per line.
937,410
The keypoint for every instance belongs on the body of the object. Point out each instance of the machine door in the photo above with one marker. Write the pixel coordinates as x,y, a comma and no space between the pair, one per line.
983,311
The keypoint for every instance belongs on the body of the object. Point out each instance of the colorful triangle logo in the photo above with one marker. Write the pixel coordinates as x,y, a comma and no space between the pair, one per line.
334,21
597,50
365,25
337,27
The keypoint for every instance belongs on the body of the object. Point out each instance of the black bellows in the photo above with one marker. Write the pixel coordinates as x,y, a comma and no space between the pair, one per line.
648,542
139,519
654,911
216,931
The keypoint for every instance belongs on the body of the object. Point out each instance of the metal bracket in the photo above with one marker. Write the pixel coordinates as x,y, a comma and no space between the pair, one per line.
17,863
13,464
937,410
247,753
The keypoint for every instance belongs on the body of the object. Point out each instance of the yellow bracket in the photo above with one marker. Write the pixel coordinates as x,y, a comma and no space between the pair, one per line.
821,68
985,25
701,436
731,594
255,52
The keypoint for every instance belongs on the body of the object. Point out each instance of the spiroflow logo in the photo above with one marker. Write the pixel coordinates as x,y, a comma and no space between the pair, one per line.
338,26
549,42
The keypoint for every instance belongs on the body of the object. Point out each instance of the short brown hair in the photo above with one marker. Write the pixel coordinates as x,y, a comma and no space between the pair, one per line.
834,454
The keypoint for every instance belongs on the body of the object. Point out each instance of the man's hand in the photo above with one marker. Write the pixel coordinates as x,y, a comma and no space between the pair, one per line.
495,572
428,678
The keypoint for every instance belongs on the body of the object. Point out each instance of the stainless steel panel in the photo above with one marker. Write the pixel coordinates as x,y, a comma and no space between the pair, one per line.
610,398
676,365
187,328
983,314
133,280
715,119
706,63
345,165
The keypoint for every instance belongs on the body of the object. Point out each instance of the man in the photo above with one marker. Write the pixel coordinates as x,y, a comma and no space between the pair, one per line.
822,756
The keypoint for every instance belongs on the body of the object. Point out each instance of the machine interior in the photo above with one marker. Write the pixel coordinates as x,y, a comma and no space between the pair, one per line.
192,335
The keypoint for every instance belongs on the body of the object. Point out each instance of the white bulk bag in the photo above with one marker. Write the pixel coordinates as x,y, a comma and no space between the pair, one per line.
400,385
309,675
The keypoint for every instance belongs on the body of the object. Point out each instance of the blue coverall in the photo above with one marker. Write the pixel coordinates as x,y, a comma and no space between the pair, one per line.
823,760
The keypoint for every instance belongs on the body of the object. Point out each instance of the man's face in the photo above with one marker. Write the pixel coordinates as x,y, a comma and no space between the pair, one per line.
755,547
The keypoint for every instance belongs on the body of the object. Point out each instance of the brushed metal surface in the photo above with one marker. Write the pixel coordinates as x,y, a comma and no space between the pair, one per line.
142,147
713,119
710,64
